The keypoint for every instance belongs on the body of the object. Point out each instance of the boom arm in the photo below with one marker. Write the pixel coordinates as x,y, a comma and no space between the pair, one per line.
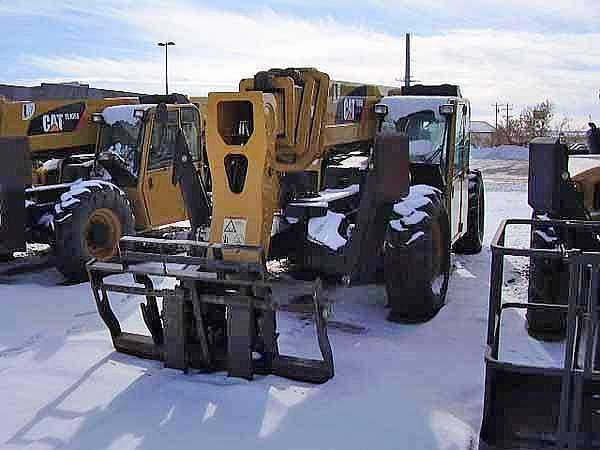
280,121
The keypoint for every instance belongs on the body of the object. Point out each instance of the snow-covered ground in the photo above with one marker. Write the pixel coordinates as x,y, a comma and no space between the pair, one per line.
396,386
505,168
505,152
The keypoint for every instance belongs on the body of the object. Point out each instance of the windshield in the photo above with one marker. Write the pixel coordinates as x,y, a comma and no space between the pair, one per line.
426,134
122,138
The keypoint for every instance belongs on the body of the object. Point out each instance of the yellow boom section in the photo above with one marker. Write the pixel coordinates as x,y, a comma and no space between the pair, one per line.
280,121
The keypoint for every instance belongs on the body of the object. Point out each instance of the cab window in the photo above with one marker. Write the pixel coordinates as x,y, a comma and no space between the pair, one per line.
426,135
190,125
163,142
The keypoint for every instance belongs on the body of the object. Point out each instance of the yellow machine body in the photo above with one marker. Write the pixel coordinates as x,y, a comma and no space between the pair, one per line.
53,125
64,128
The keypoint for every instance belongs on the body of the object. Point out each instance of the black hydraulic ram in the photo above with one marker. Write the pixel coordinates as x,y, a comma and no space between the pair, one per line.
536,407
220,316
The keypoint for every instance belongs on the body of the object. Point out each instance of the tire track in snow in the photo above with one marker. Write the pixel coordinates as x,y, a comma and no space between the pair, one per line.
13,351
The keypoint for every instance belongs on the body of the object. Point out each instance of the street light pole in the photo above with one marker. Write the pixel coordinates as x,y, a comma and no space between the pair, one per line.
166,46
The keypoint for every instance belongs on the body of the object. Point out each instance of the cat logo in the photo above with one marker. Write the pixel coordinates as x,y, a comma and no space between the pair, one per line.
52,123
64,119
353,108
28,111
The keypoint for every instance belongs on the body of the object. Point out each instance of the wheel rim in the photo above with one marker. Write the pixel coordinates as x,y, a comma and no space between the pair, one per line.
102,233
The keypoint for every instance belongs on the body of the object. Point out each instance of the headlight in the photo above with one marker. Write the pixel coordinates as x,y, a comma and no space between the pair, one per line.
447,109
380,110
139,114
97,118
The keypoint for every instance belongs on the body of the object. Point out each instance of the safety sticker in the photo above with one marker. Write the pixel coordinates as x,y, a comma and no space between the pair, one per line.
234,231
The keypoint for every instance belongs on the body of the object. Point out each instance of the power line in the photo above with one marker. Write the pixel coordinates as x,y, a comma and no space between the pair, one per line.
505,108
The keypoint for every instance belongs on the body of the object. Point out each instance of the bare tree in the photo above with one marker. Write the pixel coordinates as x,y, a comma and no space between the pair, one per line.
533,121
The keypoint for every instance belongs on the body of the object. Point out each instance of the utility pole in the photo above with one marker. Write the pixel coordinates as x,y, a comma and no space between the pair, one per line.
407,76
497,109
508,109
407,62
166,45
502,107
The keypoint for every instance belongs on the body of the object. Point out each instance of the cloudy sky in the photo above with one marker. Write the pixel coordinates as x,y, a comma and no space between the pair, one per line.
515,51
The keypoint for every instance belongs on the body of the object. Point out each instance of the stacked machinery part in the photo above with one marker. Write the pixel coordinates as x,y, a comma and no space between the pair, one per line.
15,175
546,407
554,194
550,406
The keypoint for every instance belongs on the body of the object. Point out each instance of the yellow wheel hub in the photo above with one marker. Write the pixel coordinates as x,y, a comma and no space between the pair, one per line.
102,233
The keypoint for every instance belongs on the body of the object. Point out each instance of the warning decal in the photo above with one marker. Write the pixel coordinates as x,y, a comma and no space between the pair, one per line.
234,231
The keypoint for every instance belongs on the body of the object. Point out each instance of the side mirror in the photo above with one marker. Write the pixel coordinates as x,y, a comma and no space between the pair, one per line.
447,109
380,111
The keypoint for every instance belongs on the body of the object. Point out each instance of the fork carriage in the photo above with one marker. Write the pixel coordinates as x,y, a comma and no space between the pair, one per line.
219,316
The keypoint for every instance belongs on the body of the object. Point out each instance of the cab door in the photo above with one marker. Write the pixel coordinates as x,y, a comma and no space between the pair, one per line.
163,200
459,169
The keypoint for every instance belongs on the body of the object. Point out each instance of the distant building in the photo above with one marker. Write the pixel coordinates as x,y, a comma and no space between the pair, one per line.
482,133
58,91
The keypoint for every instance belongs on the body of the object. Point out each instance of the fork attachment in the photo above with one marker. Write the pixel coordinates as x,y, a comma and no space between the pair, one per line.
220,315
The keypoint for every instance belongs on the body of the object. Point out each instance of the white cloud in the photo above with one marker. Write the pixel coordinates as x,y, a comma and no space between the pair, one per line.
216,48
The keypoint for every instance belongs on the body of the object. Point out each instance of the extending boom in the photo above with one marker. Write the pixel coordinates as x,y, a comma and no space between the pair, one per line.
280,121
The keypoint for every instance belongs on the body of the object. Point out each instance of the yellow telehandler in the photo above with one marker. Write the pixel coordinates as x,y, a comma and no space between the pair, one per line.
317,171
79,175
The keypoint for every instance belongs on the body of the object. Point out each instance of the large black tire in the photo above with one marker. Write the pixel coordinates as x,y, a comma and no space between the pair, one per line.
471,242
90,225
417,262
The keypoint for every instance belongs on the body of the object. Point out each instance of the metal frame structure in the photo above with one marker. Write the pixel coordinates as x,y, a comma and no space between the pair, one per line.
529,407
221,315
